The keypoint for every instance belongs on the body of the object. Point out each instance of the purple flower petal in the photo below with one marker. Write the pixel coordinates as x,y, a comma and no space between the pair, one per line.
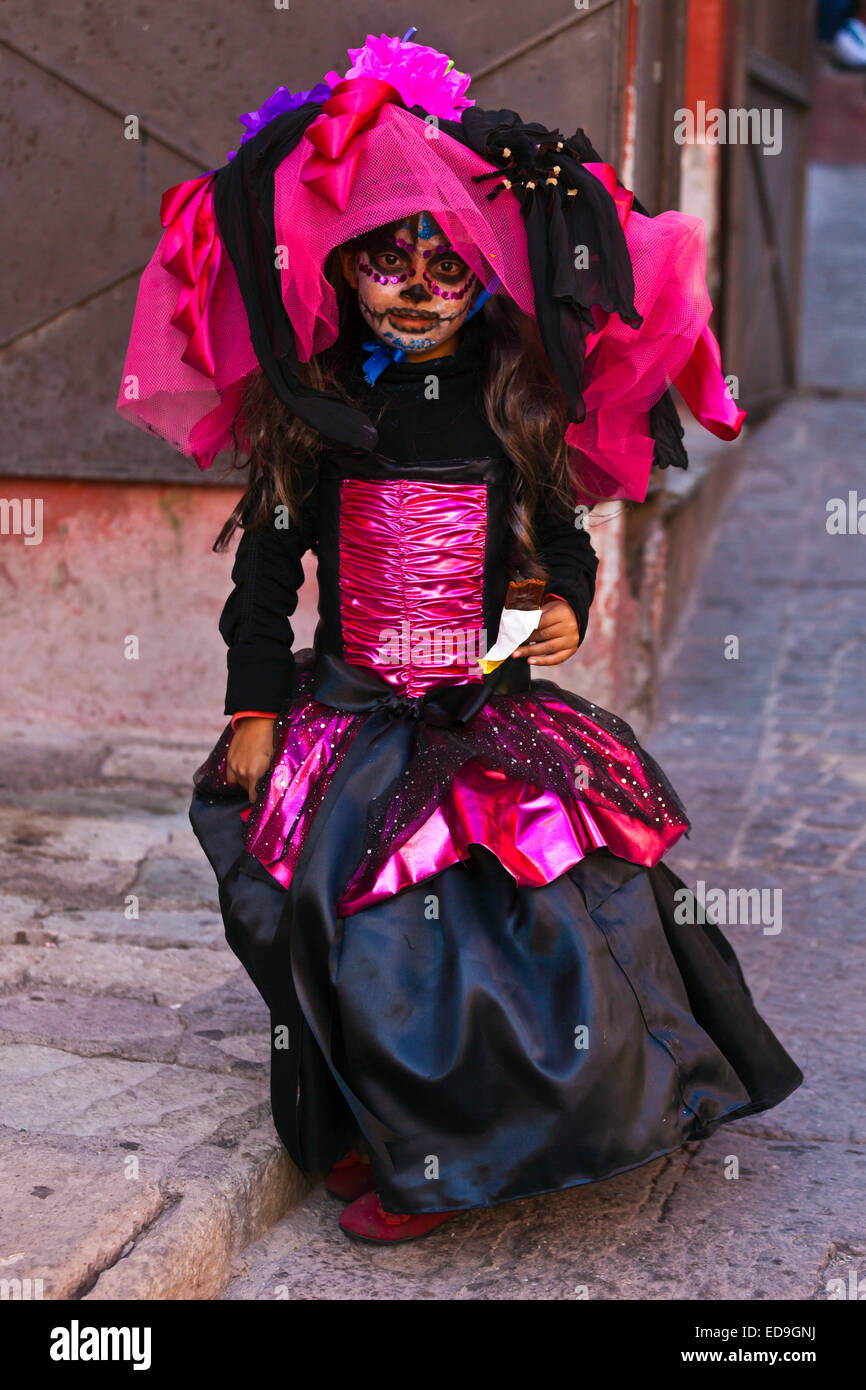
277,104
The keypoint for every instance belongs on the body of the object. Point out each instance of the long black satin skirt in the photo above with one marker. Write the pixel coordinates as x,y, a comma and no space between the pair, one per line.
486,1041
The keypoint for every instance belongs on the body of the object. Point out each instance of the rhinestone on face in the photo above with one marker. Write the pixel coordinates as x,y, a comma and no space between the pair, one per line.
448,294
367,269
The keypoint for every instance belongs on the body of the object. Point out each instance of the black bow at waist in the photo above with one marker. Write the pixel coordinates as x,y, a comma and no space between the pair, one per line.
361,690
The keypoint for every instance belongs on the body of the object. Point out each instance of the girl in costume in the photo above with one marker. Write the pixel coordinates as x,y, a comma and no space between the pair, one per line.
433,331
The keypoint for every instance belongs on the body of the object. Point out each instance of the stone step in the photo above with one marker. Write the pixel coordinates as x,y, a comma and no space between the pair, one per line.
138,1158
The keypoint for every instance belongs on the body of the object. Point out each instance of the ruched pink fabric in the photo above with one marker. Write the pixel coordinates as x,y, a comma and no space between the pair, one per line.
411,571
411,567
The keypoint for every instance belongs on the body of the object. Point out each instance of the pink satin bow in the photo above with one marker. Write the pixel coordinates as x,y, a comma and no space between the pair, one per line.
191,253
351,108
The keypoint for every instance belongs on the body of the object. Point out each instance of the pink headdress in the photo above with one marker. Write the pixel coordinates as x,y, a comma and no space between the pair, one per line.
237,282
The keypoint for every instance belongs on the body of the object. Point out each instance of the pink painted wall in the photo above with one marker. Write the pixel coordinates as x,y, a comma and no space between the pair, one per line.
115,560
121,560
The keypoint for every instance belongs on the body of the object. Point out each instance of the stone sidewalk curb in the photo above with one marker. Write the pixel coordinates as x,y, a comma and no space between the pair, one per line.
138,1157
192,1248
92,1234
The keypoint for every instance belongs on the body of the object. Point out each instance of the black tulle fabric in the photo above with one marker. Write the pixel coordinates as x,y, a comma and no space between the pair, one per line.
667,432
563,292
244,210
556,225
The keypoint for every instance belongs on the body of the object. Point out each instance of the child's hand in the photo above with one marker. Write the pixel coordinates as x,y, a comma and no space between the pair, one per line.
556,637
250,753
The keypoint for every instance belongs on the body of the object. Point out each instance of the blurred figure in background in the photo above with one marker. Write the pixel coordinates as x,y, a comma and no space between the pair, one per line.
841,26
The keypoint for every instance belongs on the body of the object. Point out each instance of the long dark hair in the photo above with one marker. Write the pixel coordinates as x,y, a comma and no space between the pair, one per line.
522,401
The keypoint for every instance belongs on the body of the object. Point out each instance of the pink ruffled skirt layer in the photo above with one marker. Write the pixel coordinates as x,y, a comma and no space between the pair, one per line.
537,833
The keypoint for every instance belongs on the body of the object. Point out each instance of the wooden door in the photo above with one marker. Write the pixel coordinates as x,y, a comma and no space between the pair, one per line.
659,81
770,57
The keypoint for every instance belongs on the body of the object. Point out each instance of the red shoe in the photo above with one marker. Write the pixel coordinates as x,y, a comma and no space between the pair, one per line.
350,1178
367,1219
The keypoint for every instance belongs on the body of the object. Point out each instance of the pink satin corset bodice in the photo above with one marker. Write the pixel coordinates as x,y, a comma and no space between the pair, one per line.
411,579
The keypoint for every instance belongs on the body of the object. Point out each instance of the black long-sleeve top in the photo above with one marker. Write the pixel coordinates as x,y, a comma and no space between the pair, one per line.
429,410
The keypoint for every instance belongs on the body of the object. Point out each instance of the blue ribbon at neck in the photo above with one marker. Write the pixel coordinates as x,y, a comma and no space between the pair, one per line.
381,356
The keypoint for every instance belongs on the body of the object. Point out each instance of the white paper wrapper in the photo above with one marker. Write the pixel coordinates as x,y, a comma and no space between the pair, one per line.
515,625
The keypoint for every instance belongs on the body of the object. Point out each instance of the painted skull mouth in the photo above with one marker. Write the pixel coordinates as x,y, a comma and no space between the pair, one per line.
418,316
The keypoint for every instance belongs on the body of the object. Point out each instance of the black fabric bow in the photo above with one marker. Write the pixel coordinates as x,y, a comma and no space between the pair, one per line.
402,706
361,690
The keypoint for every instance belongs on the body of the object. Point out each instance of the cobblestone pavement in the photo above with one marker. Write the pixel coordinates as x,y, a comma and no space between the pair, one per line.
135,1129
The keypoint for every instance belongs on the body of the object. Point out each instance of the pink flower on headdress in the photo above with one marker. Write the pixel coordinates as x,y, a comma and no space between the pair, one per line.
422,76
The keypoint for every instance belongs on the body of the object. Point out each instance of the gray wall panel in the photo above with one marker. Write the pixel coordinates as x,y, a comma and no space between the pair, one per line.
86,200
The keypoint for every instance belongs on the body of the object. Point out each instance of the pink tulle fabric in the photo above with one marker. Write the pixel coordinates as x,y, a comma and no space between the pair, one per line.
162,391
402,164
411,566
627,370
426,171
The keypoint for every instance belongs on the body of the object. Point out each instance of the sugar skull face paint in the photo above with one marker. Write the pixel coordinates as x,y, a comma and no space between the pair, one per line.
414,290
